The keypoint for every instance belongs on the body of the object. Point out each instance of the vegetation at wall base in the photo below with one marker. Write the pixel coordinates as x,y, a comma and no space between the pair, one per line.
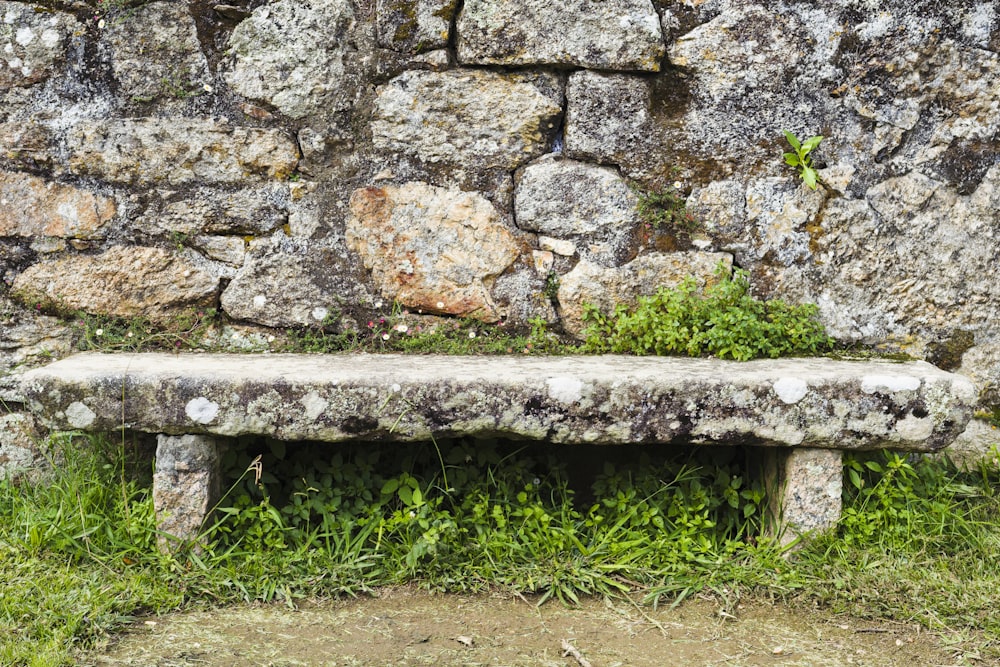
78,556
723,320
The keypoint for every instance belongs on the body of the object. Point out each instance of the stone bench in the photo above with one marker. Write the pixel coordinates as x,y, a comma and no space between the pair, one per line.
802,412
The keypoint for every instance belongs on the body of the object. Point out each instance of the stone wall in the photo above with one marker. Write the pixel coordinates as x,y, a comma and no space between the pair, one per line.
297,161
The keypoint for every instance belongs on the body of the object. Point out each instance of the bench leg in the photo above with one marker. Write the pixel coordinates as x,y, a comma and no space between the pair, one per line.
804,490
185,486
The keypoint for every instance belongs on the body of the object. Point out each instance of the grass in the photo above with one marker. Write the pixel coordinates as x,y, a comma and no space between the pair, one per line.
78,557
394,331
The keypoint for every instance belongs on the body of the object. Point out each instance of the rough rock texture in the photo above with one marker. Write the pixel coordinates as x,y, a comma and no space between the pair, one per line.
809,484
185,486
25,145
590,283
294,282
471,118
199,210
612,34
31,43
871,281
982,364
608,121
979,444
434,249
591,205
32,206
177,151
297,56
167,60
414,26
804,403
20,450
26,340
124,281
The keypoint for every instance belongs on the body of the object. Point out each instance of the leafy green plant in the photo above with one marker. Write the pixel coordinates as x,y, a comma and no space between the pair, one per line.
724,320
799,157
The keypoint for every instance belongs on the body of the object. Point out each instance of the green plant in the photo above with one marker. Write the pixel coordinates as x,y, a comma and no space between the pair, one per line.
724,320
78,554
106,333
799,157
666,208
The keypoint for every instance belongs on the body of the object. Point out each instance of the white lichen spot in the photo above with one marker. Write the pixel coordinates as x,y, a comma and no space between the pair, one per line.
964,389
50,37
565,390
24,36
201,410
319,313
888,383
914,428
791,390
259,301
79,415
314,404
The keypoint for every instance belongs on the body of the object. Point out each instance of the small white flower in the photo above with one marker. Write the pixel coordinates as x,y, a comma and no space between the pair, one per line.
678,185
413,514
536,481
128,335
401,328
100,24
472,334
440,304
270,339
385,336
208,88
99,332
378,304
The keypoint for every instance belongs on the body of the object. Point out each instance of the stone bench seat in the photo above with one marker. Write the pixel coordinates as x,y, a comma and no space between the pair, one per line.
803,411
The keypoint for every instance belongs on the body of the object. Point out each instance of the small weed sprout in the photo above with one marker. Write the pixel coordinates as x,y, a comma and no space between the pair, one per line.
666,208
799,157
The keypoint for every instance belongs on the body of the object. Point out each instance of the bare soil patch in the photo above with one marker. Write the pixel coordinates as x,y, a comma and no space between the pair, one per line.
405,626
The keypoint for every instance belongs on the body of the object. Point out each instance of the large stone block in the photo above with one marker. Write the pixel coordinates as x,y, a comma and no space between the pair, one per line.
155,52
608,118
609,35
295,282
178,151
32,43
593,206
21,452
185,486
798,403
298,56
214,210
32,206
470,118
123,281
434,249
804,491
414,26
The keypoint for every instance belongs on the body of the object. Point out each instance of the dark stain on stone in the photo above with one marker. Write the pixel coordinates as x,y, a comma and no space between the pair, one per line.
355,425
965,162
947,354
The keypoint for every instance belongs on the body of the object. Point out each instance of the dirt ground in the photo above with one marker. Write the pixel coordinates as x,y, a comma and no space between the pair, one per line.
405,626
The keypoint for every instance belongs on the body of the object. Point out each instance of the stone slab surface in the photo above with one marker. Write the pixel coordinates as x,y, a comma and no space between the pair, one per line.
821,403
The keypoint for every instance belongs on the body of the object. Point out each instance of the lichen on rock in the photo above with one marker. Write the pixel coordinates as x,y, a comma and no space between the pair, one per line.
429,248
